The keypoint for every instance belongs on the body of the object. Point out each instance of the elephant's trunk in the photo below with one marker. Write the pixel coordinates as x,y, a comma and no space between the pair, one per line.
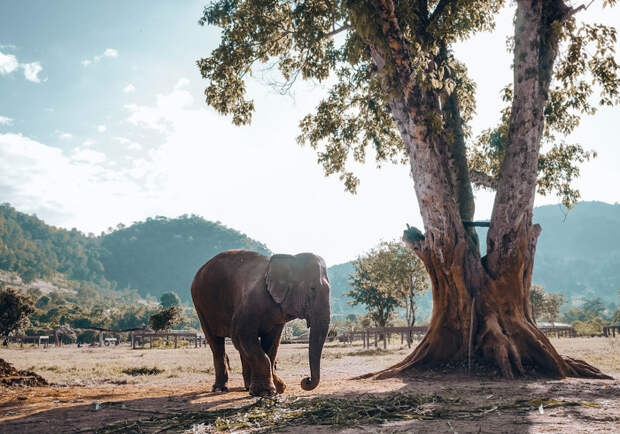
318,333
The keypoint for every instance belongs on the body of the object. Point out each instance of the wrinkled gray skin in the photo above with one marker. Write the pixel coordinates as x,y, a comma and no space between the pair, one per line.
248,297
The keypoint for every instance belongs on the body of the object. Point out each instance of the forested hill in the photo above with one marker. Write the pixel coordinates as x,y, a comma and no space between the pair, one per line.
154,256
578,255
578,252
162,254
33,249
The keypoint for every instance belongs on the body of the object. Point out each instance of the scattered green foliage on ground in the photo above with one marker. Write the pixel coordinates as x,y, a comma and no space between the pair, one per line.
143,370
271,414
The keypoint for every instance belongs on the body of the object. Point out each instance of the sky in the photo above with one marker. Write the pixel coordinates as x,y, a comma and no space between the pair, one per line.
103,121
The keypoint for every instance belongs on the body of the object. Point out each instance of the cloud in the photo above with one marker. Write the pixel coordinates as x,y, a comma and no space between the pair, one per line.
64,136
88,142
101,128
131,145
183,82
42,179
109,52
164,114
88,156
32,70
129,88
9,64
5,120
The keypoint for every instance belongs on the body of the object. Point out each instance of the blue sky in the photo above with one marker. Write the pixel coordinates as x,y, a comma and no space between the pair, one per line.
103,121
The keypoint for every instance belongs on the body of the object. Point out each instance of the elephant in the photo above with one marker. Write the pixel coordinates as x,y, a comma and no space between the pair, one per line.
249,297
63,331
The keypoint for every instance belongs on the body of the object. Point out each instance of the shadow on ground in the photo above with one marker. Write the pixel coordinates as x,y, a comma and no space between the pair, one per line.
447,403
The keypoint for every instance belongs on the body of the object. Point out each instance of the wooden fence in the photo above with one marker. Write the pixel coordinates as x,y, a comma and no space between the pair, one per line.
560,331
141,338
611,330
384,333
39,340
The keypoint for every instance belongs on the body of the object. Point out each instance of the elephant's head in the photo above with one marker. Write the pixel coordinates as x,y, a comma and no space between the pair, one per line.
300,286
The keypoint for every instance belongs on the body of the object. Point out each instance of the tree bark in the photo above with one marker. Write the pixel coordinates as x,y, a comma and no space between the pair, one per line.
498,326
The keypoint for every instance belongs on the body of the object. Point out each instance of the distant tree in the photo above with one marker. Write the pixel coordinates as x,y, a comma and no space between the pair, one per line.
545,307
381,302
14,311
592,327
593,307
169,299
615,319
395,269
165,318
42,302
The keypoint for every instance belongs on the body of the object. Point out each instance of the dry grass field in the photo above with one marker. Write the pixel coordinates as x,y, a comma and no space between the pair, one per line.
96,387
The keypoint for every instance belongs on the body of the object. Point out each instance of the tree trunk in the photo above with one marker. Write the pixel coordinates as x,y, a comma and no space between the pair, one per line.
481,306
503,332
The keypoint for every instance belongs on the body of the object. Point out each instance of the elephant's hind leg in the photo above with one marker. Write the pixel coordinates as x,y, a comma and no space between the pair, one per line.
220,363
270,343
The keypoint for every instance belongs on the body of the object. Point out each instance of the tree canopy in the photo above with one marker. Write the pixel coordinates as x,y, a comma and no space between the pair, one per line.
14,311
345,42
168,299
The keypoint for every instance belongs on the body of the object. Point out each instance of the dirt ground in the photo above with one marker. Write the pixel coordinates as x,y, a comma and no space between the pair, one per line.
89,389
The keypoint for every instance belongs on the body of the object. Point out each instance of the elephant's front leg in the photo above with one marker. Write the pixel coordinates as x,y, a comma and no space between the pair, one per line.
270,343
247,372
261,382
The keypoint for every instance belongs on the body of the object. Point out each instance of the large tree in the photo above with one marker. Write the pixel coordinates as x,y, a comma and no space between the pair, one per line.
398,89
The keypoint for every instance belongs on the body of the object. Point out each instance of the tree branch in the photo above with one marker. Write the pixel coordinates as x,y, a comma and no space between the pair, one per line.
536,48
438,10
573,11
482,179
336,31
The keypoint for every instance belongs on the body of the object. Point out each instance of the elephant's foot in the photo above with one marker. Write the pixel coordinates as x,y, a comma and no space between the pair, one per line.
280,385
219,388
262,390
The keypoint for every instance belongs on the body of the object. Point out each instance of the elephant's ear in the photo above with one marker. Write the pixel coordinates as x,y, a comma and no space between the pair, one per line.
284,285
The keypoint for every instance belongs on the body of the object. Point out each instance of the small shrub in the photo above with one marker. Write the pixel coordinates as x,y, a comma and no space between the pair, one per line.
143,370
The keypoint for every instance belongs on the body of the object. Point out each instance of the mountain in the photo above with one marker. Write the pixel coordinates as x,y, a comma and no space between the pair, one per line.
154,256
339,279
161,254
34,249
578,253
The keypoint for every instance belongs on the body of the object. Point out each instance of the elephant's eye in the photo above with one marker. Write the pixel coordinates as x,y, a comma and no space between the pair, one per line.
313,289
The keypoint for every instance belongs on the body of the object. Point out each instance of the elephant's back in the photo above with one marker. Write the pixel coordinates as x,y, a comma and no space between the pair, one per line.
219,286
